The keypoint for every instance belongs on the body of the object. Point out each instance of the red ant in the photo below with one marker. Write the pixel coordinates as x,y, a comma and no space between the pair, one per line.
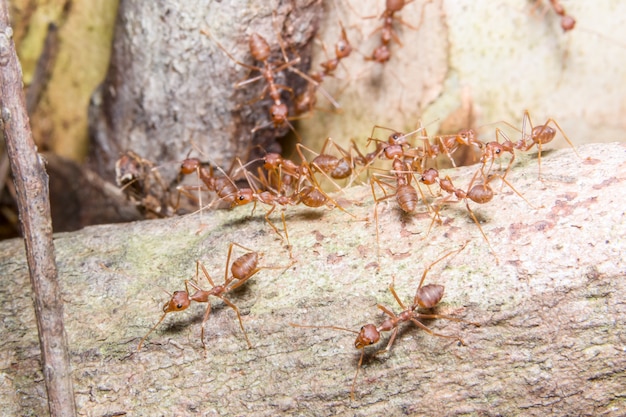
242,269
331,166
567,22
539,136
443,144
426,297
221,185
260,51
406,194
281,172
382,54
480,193
266,195
306,101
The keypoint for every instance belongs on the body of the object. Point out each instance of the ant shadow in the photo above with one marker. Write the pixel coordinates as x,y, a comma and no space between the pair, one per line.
309,215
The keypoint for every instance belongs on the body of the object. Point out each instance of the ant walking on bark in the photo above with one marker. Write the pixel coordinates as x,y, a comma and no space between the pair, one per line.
242,269
426,297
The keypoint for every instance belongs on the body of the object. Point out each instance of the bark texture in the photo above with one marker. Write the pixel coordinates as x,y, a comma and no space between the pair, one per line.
31,185
169,86
552,312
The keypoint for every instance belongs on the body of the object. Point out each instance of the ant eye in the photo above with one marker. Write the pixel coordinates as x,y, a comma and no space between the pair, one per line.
498,151
179,306
241,198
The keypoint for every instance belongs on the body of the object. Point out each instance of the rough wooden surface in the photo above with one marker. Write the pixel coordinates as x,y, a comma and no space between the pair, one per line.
169,85
552,313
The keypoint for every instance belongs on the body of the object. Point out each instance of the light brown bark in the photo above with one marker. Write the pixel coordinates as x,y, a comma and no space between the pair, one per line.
552,313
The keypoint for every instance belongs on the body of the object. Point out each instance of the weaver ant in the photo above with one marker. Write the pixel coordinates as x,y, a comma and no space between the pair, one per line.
539,136
266,195
222,185
260,51
567,22
481,193
444,145
333,167
382,54
426,297
242,269
306,101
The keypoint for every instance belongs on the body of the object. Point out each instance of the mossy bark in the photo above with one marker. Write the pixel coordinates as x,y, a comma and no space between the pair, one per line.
552,312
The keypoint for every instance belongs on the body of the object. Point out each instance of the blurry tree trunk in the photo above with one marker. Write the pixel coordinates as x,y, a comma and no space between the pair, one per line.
169,87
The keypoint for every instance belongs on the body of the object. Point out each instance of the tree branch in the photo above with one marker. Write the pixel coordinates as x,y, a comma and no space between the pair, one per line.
31,183
552,313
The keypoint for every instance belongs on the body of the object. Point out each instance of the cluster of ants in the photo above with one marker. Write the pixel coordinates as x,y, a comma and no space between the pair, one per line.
281,181
278,181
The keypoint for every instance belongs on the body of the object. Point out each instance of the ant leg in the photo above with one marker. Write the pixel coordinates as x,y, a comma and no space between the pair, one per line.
206,274
207,313
358,366
392,338
482,232
234,307
272,225
428,268
430,332
395,295
443,316
150,331
515,190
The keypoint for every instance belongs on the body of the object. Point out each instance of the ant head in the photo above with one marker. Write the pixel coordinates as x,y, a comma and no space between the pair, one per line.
430,176
272,160
343,47
368,335
396,138
128,168
469,137
189,166
279,113
492,149
179,302
429,295
243,197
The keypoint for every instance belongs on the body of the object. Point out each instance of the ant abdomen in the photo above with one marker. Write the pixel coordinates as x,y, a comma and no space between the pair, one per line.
245,265
429,295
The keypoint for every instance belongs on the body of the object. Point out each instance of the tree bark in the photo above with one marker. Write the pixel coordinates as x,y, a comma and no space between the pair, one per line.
552,312
31,185
169,87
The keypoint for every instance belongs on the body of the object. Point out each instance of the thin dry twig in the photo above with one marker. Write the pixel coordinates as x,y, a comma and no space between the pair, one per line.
31,183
